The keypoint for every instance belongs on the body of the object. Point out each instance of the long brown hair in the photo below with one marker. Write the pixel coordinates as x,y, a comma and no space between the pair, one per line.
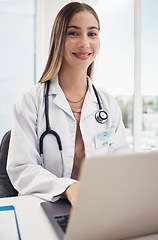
57,40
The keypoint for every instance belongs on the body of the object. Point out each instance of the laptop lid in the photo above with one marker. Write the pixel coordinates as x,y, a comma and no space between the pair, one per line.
117,198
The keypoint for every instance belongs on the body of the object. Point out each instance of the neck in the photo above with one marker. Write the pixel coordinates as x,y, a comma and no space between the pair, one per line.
73,83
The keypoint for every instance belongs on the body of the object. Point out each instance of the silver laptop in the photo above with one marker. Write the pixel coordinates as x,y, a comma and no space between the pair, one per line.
117,199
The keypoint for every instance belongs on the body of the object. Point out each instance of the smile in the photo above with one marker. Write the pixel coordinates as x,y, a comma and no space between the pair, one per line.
82,55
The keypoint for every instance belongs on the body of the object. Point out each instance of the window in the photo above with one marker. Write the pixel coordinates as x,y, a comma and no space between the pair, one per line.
115,66
17,55
115,63
149,137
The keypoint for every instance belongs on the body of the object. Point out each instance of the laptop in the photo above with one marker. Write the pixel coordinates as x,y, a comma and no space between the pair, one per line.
117,199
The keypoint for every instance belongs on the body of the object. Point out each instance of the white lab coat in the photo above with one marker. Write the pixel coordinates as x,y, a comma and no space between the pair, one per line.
24,162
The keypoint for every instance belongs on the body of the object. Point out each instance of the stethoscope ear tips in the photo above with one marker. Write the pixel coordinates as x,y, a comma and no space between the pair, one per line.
101,116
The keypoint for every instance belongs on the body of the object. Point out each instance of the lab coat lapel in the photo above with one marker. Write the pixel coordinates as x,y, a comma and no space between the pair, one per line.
59,99
62,103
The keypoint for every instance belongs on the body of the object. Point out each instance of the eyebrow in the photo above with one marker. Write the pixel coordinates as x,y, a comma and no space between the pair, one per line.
89,28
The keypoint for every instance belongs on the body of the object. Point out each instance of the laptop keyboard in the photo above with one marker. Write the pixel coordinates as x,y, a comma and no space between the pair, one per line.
62,221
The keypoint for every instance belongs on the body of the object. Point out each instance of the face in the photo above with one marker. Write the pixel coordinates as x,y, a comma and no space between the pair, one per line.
82,41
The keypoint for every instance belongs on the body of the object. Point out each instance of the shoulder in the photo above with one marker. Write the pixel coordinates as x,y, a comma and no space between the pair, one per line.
106,96
35,91
109,102
31,97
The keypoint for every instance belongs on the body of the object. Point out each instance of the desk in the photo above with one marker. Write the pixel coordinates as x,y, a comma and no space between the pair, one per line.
33,223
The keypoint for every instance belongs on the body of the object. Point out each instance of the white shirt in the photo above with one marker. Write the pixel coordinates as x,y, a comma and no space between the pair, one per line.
24,161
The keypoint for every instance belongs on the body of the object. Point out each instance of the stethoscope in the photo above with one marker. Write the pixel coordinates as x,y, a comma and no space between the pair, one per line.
101,117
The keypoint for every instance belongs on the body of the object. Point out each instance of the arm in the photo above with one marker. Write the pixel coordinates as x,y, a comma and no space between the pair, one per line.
24,162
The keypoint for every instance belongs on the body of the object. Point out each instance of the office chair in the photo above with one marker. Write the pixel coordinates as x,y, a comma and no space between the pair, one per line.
6,187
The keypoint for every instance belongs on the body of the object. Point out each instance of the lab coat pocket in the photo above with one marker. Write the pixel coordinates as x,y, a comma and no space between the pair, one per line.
104,139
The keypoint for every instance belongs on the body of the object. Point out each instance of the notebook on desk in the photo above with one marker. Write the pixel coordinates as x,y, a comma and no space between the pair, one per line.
117,199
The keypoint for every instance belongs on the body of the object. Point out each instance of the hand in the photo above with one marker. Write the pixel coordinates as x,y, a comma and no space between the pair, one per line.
71,193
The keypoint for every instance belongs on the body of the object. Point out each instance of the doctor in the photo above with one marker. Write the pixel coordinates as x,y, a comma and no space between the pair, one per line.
69,105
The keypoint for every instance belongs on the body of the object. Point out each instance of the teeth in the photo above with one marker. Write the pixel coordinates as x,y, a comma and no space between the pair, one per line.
83,55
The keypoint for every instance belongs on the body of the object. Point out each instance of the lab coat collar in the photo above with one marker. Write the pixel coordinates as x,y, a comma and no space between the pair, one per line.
55,87
60,99
90,104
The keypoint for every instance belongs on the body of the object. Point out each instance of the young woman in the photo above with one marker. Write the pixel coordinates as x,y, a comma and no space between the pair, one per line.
80,120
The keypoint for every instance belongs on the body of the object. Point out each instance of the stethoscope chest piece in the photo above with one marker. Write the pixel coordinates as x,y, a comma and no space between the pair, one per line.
101,116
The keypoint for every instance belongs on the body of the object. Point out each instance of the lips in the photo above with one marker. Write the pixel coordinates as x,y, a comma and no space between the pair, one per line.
82,55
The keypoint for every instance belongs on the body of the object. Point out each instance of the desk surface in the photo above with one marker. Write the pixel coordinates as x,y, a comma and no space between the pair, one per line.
33,223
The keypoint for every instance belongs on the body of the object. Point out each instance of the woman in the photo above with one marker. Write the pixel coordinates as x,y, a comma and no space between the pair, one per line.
72,112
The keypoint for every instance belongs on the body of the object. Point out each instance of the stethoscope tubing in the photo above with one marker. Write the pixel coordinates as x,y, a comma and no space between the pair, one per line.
97,97
49,131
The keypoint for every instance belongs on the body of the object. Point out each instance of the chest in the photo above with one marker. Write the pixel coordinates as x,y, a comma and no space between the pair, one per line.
63,122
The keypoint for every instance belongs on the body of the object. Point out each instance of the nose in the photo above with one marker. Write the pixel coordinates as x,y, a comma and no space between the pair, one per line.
83,42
